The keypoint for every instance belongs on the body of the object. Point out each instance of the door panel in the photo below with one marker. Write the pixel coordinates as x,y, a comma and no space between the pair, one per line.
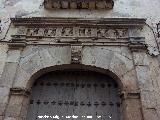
79,93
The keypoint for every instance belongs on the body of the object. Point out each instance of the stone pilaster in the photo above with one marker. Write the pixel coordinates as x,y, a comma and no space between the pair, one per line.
7,77
17,106
131,105
146,84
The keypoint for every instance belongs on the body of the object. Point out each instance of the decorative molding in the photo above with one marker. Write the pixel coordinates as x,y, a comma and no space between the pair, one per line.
76,54
100,22
79,32
78,4
137,44
19,91
16,45
130,95
107,31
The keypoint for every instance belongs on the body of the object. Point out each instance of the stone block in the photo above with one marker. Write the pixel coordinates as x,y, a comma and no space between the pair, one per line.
151,114
47,58
3,52
148,99
129,80
21,78
8,74
141,58
2,64
132,109
144,78
4,95
31,62
13,56
25,107
119,66
97,56
15,105
60,55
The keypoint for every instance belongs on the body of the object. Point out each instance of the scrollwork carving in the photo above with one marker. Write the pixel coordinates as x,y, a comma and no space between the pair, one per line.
67,31
21,31
85,32
121,33
32,31
74,4
71,32
76,53
102,33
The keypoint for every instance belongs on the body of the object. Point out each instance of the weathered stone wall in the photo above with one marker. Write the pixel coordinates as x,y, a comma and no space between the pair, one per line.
138,71
122,8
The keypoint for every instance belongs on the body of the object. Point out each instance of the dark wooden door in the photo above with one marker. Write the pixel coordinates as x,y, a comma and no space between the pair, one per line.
72,95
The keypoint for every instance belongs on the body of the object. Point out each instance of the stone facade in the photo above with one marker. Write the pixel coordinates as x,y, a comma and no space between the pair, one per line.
37,40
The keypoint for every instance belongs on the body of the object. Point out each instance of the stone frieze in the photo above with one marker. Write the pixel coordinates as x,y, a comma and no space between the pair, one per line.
78,4
109,31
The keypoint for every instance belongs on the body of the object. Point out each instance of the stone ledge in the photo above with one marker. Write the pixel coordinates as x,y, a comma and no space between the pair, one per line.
16,45
19,91
137,44
100,22
130,95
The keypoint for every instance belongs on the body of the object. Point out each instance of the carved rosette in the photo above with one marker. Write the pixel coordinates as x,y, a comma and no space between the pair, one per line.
78,4
76,54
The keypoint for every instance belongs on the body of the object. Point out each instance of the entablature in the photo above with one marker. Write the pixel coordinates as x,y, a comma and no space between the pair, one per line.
51,31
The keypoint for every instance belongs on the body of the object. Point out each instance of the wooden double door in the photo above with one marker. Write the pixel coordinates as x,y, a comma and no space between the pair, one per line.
71,95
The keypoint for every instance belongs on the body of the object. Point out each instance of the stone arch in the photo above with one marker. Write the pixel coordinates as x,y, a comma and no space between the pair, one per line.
76,67
38,80
38,60
129,98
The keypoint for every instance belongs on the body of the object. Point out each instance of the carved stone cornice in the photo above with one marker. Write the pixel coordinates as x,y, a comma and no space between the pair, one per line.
101,22
78,4
19,91
107,31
